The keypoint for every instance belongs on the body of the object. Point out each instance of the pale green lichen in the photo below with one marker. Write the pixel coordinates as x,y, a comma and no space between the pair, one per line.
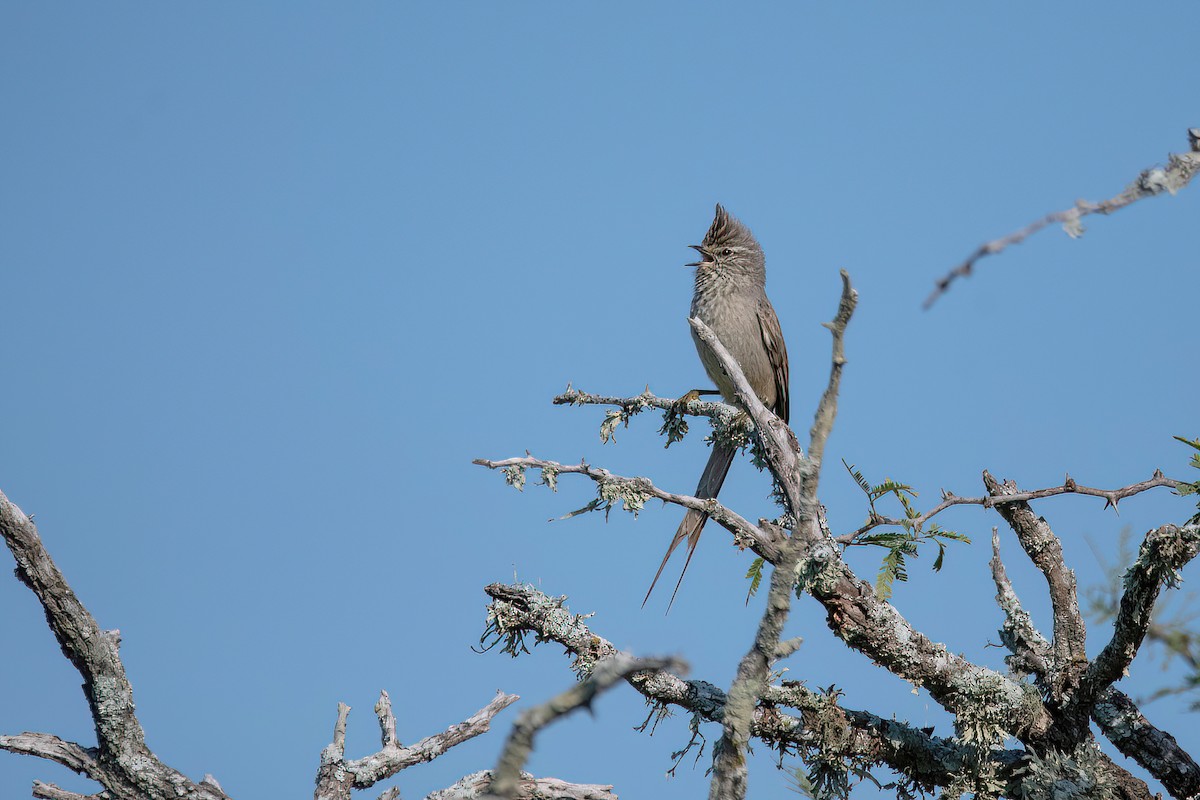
818,570
549,477
1080,775
514,476
674,426
631,493
978,778
608,427
984,716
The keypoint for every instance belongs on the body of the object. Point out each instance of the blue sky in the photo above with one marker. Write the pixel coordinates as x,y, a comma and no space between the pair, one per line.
273,274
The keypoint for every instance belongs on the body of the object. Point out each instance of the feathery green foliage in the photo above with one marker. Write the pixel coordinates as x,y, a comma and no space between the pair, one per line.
903,543
755,575
1194,487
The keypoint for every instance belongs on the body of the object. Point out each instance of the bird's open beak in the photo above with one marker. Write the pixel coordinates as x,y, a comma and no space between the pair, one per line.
700,249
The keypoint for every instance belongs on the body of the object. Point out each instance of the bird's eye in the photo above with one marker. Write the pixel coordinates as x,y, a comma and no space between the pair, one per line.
726,252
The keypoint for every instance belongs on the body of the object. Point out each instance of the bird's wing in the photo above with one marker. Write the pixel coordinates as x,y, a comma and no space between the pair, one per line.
772,338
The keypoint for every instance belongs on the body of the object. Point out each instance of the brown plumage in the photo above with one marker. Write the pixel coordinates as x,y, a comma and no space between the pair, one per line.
730,298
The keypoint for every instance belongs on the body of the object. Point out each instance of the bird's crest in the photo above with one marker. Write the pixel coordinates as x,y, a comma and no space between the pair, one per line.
726,229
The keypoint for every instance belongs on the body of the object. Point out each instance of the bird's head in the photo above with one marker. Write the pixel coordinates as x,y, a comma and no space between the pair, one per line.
729,250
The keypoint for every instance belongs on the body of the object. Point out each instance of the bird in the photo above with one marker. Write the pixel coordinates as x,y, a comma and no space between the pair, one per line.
730,298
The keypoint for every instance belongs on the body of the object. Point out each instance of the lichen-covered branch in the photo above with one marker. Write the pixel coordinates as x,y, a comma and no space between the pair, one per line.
121,762
1156,750
1045,551
338,777
697,408
619,666
1031,653
863,738
1180,170
753,674
633,492
478,786
827,409
1115,714
1163,553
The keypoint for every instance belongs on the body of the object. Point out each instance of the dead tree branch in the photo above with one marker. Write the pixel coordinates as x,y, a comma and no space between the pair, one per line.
619,666
477,786
1180,170
121,761
337,777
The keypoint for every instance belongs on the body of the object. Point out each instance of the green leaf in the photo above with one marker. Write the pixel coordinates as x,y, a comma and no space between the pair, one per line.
858,478
755,574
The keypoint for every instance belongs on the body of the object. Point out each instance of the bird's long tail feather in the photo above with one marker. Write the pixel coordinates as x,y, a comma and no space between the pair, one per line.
693,522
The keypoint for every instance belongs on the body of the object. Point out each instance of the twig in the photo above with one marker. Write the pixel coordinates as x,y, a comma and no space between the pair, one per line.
696,408
619,666
1180,170
827,408
745,533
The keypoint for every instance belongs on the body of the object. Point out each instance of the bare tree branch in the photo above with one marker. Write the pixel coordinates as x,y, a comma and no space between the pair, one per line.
1180,170
337,777
478,785
122,763
49,791
73,756
1069,486
827,408
617,667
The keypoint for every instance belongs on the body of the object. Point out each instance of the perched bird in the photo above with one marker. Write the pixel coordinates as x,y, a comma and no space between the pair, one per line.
730,298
